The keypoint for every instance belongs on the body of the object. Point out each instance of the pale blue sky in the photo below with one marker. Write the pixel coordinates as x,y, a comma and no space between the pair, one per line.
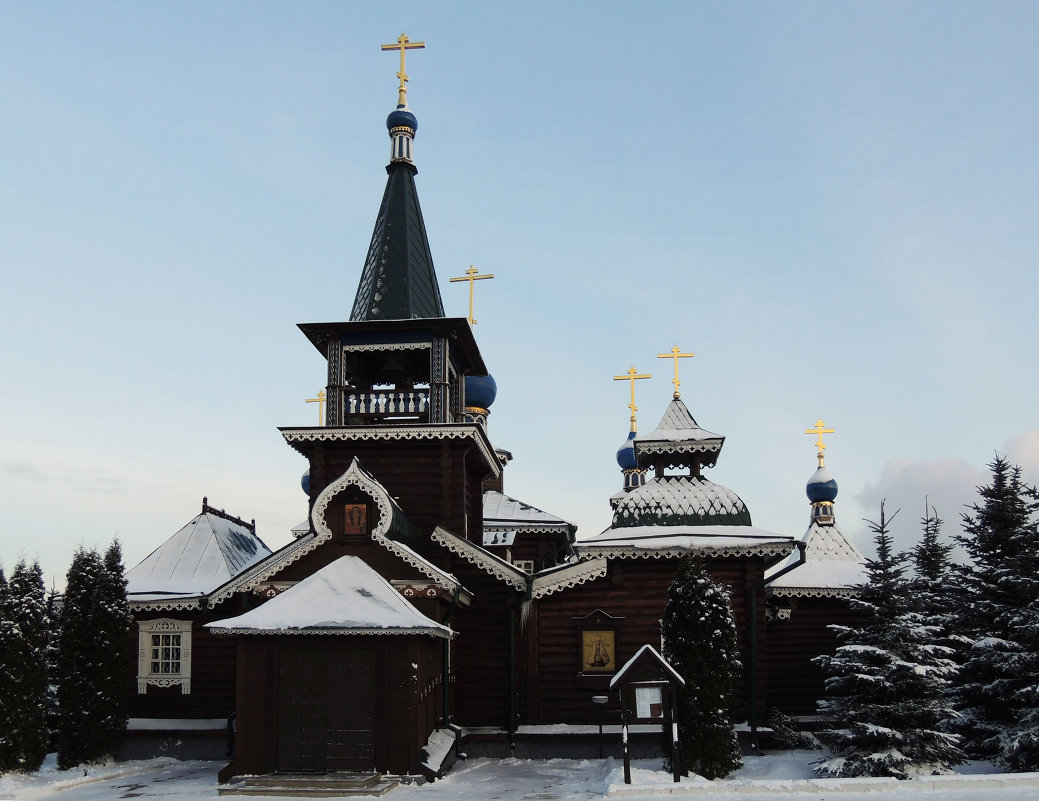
833,205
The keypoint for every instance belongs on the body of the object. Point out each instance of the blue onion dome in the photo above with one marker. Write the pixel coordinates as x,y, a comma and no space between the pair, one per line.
305,482
821,487
401,117
626,453
480,391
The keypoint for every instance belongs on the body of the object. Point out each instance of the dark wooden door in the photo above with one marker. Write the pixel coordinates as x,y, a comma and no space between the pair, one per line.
326,710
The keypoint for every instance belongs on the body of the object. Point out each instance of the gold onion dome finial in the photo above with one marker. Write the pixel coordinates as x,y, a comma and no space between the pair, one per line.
676,354
632,376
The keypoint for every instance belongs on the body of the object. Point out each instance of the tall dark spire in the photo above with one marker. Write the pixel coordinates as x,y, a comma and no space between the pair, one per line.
398,281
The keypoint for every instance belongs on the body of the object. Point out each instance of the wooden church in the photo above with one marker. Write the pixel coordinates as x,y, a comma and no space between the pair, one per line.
418,596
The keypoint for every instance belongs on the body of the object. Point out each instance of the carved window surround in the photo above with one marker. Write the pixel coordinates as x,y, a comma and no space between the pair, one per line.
164,654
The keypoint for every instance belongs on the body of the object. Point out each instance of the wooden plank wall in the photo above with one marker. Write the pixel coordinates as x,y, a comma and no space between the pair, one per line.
212,672
636,590
795,682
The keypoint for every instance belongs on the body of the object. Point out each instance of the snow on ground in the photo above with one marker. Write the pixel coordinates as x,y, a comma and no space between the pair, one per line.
781,775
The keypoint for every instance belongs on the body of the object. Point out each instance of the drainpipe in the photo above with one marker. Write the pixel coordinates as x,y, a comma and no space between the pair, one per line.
753,712
446,667
527,596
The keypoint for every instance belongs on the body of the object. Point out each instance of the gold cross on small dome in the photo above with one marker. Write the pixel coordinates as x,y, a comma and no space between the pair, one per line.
320,401
471,275
675,354
403,44
632,376
820,429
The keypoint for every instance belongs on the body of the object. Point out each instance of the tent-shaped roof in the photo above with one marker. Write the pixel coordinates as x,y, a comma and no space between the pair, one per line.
832,568
344,597
398,281
678,439
207,552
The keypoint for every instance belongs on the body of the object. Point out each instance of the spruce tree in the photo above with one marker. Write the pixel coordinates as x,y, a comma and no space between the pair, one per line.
8,633
699,641
113,628
996,621
885,683
27,669
81,712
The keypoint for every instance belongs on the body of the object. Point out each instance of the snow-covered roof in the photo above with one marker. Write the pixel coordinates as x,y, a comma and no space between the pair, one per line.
833,565
504,516
680,500
652,653
204,554
668,541
344,597
679,434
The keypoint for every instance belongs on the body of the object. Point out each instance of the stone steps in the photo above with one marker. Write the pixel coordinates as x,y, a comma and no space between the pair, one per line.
311,785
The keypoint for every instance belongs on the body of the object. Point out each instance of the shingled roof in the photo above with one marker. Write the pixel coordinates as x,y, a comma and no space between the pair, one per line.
398,281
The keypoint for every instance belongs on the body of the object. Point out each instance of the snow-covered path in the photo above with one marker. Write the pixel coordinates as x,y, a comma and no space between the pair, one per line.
762,778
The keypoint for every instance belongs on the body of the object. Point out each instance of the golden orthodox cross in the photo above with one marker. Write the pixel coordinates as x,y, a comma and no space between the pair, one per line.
403,44
676,354
471,275
820,429
320,401
632,376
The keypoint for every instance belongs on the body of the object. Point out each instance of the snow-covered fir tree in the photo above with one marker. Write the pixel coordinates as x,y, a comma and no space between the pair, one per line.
26,665
7,636
90,721
996,619
116,622
886,682
699,641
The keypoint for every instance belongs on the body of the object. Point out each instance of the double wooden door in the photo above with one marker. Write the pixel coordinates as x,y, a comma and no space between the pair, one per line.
326,710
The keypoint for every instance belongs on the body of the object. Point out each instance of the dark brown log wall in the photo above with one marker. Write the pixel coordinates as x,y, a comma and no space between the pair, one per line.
212,672
635,590
794,681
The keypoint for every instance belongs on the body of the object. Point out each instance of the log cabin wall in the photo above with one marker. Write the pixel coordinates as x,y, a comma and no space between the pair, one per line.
212,671
634,592
435,482
480,653
794,681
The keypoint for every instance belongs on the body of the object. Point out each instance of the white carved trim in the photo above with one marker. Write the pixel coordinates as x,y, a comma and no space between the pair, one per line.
145,629
385,347
678,446
396,433
629,551
569,577
354,476
488,562
166,604
814,592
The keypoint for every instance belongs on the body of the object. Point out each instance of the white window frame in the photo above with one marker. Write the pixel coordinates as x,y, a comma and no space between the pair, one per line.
168,626
526,565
